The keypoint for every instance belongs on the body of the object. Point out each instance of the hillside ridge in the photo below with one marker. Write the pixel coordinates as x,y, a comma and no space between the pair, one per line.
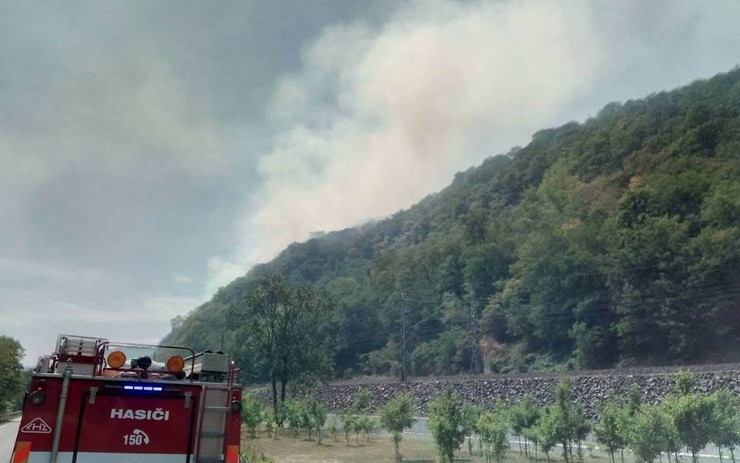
615,241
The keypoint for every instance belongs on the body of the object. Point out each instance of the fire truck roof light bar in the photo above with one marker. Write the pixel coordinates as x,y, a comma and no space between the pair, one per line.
143,388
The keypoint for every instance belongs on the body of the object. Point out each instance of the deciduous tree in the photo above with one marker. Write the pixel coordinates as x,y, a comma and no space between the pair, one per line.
445,424
397,415
283,323
11,370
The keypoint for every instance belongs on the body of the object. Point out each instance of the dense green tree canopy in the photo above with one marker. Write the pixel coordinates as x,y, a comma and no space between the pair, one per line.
11,372
615,240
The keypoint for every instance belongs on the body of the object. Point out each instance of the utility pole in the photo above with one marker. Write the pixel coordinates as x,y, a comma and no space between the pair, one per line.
474,338
404,338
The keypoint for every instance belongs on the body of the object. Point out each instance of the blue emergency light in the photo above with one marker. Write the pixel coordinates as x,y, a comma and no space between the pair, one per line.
143,388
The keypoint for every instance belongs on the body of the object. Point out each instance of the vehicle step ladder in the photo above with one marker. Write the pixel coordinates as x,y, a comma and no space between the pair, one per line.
213,424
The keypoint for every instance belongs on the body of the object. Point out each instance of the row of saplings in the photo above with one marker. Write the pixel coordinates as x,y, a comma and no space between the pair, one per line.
309,416
682,420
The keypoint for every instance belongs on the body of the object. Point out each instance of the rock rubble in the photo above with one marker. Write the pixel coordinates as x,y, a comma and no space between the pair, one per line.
589,390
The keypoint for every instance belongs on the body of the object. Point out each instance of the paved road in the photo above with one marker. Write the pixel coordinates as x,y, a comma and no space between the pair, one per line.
7,438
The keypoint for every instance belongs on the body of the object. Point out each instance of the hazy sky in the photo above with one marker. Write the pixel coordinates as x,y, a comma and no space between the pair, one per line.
152,151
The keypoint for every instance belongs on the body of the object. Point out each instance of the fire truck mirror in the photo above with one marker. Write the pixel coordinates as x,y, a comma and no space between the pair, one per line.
36,398
236,406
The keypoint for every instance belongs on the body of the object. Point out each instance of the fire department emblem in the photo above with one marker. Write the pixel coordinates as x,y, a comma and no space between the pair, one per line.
36,426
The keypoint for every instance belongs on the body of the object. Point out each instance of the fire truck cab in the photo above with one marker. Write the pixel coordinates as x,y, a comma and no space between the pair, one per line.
95,401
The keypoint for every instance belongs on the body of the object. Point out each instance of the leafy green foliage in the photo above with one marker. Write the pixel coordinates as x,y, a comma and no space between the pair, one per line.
492,431
11,376
397,415
693,417
725,432
333,429
685,381
22,385
363,425
615,240
283,328
651,433
565,421
445,424
523,416
470,415
251,413
293,413
348,424
362,401
316,417
612,429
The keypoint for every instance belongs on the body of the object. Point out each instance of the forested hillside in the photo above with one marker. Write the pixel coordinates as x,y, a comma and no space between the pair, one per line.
615,241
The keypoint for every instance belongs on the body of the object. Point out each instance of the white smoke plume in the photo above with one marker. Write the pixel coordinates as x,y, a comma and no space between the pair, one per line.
380,116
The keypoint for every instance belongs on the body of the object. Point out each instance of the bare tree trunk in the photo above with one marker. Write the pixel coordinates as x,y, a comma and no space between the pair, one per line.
275,399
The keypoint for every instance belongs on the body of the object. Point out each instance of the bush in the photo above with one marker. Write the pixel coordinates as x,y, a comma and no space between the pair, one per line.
294,414
251,413
362,401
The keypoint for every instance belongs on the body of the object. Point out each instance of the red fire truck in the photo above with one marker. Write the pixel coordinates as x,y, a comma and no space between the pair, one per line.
95,401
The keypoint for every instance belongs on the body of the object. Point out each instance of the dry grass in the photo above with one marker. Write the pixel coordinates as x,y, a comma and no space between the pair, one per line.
376,450
379,449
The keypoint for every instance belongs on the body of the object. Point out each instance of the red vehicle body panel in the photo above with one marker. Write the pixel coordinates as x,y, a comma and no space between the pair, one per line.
135,419
115,425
